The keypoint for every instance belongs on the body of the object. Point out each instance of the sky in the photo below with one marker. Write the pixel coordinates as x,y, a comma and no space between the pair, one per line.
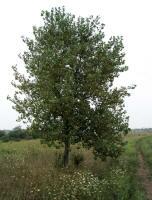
128,18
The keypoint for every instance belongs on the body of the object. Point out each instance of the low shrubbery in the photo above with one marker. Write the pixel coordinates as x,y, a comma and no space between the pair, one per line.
77,158
17,134
84,185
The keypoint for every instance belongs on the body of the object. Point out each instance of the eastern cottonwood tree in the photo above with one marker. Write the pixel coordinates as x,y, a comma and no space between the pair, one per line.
68,93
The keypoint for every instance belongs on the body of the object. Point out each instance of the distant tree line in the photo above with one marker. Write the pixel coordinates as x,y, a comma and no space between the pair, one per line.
142,130
17,134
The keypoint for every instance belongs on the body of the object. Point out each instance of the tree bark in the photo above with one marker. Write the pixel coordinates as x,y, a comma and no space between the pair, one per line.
66,153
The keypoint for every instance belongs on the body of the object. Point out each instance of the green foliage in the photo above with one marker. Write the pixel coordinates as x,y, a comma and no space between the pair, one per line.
5,138
68,94
2,133
16,134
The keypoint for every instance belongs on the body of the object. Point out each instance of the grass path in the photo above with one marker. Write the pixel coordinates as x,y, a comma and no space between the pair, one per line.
144,175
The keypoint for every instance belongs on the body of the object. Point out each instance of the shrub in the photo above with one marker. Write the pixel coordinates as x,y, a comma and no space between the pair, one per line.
5,138
84,185
77,158
2,133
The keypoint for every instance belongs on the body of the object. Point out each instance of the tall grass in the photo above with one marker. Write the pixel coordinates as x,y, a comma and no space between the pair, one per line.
131,163
32,171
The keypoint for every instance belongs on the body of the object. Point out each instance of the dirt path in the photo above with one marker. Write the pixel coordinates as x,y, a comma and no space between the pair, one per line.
144,174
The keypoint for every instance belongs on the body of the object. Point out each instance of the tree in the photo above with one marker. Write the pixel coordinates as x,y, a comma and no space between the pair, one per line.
68,93
2,133
17,133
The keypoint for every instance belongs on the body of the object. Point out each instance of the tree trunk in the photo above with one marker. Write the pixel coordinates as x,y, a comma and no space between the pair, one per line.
66,153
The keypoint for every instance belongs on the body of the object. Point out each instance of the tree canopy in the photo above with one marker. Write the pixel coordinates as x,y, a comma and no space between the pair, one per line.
68,93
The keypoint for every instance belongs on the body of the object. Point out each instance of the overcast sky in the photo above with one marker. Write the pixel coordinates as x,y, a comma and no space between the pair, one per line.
131,19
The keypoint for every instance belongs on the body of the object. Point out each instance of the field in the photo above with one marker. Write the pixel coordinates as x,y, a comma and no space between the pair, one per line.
33,171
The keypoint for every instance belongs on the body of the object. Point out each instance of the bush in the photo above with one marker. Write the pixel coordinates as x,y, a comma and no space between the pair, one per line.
5,138
77,158
16,134
79,185
2,133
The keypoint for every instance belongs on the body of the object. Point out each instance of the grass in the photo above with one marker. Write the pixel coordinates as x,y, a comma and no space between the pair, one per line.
30,170
145,147
130,161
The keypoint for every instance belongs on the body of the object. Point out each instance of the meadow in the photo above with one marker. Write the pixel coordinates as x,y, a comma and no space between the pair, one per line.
30,170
